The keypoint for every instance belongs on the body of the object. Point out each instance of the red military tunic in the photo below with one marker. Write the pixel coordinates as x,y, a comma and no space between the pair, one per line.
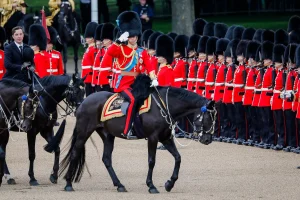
130,62
56,63
238,84
297,98
179,73
257,90
192,77
287,103
96,66
165,76
88,62
2,68
276,101
266,90
42,64
153,61
250,86
296,102
200,84
105,71
210,80
227,97
220,83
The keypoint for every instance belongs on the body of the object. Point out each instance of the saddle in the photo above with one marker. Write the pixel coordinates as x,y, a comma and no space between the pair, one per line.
116,106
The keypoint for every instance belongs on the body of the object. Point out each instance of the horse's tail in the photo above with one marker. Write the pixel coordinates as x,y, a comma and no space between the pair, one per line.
56,140
78,164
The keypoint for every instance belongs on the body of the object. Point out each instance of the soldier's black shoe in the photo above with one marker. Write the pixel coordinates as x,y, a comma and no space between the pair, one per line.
277,147
267,146
260,145
296,150
239,141
229,140
288,149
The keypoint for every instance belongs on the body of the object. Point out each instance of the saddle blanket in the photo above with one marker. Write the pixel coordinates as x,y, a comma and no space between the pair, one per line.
112,107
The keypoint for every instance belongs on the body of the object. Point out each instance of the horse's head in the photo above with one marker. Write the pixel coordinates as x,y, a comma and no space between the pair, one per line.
65,8
27,105
75,92
204,122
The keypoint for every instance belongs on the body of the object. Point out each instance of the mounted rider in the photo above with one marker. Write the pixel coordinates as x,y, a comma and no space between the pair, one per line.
10,7
131,61
54,7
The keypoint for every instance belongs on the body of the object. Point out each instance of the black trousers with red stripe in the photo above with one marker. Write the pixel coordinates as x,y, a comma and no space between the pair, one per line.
131,110
256,122
267,126
290,127
240,121
250,117
89,89
230,130
222,119
279,127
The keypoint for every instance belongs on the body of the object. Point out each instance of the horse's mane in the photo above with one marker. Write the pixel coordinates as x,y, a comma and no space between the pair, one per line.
55,81
14,83
185,95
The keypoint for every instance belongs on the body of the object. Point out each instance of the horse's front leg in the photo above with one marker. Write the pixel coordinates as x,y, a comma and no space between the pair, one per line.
2,161
31,139
7,175
152,144
171,147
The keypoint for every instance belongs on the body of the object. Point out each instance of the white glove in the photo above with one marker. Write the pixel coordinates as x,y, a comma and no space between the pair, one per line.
124,37
154,83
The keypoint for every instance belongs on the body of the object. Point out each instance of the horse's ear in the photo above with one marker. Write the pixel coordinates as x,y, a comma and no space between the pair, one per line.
74,77
210,105
83,79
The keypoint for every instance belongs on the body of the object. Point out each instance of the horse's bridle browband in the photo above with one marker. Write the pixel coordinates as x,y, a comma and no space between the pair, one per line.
213,116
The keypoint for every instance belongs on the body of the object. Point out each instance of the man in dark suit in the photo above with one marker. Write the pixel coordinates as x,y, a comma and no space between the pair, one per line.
16,66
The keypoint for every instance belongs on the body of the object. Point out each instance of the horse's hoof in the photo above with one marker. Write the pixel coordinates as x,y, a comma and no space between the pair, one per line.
11,181
69,189
34,183
122,189
168,186
53,179
298,167
153,190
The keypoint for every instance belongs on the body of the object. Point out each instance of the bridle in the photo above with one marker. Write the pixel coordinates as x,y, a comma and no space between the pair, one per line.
200,118
71,32
34,102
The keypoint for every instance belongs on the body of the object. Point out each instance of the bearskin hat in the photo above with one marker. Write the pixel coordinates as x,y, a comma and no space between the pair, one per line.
209,29
202,44
172,35
98,32
198,26
152,38
90,30
231,48
2,35
298,57
238,32
129,21
278,53
294,24
258,53
257,35
289,53
242,48
281,37
211,46
267,35
193,43
116,32
164,46
53,34
267,50
181,42
248,34
107,31
220,30
28,54
252,49
37,36
294,37
145,37
229,33
221,46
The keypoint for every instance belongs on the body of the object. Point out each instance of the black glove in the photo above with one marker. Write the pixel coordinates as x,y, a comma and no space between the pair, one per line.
25,66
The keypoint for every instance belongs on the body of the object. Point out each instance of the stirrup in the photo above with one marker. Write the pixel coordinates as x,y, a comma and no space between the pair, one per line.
129,136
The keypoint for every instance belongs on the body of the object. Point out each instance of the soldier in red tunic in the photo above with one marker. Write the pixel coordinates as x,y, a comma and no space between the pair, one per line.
2,39
181,67
98,57
276,101
289,115
165,52
89,57
251,111
268,135
151,50
230,55
222,120
202,63
105,71
296,147
130,60
193,68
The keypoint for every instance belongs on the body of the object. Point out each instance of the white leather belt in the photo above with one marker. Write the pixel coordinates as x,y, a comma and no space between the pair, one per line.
249,88
178,79
219,84
86,67
209,83
200,79
191,79
1,71
229,84
276,91
257,90
238,85
96,68
266,89
104,69
52,70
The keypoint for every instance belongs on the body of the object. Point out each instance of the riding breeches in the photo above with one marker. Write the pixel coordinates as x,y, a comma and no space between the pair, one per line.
131,110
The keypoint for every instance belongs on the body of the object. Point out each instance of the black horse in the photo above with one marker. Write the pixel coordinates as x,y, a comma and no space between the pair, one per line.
56,89
68,30
155,124
17,103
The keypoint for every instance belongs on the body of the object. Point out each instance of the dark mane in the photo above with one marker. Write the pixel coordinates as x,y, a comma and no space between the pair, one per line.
13,83
55,81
